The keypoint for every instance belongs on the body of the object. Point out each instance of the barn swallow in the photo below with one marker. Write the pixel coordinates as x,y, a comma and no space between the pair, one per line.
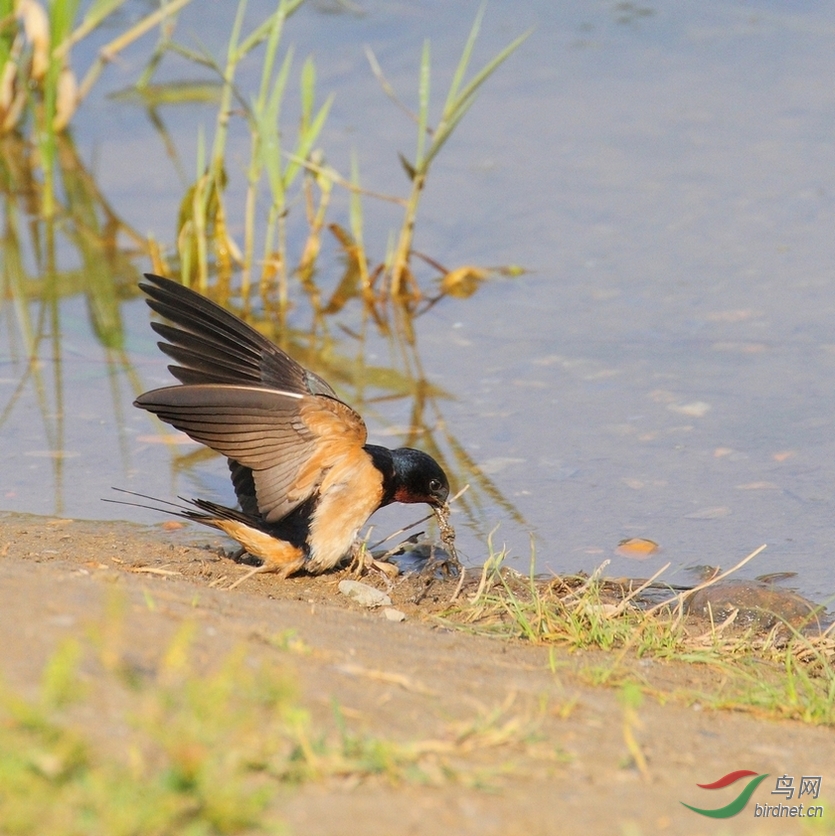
305,479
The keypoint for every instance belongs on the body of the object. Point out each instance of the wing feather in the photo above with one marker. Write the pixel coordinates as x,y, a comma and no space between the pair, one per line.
288,441
213,345
281,426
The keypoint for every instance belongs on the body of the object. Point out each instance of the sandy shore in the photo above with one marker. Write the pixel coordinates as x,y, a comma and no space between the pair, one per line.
559,759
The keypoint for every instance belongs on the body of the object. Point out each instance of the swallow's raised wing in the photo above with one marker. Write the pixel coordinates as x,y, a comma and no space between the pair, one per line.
212,345
281,426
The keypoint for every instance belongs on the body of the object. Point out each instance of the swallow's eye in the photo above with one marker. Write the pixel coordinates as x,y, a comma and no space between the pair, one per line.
434,486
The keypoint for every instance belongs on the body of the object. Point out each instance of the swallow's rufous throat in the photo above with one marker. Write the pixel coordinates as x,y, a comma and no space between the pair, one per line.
305,479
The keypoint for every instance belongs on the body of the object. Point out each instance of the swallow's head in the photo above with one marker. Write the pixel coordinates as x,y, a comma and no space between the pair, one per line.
418,478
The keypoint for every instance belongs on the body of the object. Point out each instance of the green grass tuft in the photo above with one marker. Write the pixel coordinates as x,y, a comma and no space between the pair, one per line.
782,673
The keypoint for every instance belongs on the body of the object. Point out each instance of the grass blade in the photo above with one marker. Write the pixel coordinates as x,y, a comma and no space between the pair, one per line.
464,61
423,105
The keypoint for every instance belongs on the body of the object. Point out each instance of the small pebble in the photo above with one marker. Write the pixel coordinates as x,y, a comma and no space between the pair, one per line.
392,614
364,595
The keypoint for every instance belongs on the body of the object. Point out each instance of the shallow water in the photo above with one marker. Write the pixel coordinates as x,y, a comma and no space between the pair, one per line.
664,371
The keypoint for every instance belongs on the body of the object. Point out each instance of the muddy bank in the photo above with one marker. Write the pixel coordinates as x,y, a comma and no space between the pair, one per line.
561,759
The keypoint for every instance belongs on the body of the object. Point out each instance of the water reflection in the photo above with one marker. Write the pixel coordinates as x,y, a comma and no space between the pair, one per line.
85,250
102,251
